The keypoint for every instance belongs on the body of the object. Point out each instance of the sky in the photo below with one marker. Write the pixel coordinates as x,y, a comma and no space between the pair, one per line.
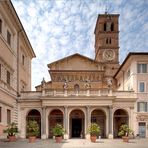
59,28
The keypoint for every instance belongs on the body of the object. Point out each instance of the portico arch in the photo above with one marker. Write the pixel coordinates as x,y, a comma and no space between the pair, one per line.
34,115
98,116
55,117
120,117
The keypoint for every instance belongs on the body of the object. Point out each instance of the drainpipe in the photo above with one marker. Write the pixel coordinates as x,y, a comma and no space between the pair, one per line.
18,69
123,79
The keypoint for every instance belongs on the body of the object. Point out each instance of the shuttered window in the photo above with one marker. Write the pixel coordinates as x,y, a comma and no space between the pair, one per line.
142,68
8,116
0,26
0,114
141,87
8,37
8,77
142,107
0,71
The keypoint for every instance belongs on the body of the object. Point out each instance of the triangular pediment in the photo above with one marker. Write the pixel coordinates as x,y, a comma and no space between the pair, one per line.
75,62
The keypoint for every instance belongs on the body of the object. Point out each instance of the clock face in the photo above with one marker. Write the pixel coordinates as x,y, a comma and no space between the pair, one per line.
109,54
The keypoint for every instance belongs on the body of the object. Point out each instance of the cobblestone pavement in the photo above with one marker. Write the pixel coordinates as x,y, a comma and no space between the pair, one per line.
76,143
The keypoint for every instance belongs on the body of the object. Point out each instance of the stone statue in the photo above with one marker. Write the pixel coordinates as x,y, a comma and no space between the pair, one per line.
65,86
109,82
43,83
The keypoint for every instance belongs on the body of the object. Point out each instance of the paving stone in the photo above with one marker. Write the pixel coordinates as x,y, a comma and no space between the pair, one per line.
76,143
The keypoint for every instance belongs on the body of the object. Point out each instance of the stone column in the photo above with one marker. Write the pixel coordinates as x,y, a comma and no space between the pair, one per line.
110,123
23,123
43,125
65,93
88,121
87,92
66,122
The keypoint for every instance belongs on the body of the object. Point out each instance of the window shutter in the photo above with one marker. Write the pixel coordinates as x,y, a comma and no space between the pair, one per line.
138,68
145,106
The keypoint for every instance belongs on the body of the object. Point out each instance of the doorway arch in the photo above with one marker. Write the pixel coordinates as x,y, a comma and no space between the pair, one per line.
77,120
55,117
98,116
34,115
120,117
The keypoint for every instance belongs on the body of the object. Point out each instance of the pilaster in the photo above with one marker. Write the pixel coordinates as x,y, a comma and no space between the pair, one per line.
43,125
110,123
66,122
88,122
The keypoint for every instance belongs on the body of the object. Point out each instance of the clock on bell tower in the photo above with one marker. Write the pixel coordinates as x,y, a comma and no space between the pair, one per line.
107,38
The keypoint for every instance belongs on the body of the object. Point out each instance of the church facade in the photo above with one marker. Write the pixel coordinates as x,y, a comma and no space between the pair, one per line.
82,90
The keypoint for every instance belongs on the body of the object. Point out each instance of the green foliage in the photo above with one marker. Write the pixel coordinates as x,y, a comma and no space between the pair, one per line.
124,130
58,130
32,128
94,129
11,130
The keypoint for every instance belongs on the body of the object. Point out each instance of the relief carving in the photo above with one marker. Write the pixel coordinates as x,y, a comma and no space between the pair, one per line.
142,117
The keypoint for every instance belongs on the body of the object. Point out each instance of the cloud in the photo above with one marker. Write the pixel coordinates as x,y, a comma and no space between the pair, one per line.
58,28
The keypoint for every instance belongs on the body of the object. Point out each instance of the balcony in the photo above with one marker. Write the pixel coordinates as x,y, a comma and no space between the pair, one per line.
81,93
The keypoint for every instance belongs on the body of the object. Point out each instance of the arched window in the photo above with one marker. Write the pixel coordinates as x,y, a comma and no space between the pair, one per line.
110,40
107,41
104,26
112,27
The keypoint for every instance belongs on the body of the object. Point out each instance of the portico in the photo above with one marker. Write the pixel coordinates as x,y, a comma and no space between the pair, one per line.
76,113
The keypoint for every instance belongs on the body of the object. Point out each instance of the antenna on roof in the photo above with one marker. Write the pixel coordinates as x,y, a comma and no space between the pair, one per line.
107,7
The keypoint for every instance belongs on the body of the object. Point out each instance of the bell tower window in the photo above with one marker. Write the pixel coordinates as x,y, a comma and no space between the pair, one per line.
112,26
104,26
110,40
107,41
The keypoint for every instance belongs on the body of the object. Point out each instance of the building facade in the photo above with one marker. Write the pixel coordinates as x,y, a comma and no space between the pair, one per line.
15,63
82,90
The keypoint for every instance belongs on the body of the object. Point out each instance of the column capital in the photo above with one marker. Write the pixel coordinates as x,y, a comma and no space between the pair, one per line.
132,107
88,106
65,106
110,107
44,107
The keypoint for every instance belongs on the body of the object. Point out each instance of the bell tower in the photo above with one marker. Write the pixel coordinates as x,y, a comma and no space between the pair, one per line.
107,38
107,42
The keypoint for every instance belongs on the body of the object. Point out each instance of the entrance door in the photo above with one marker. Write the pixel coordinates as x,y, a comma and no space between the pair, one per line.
142,129
76,127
